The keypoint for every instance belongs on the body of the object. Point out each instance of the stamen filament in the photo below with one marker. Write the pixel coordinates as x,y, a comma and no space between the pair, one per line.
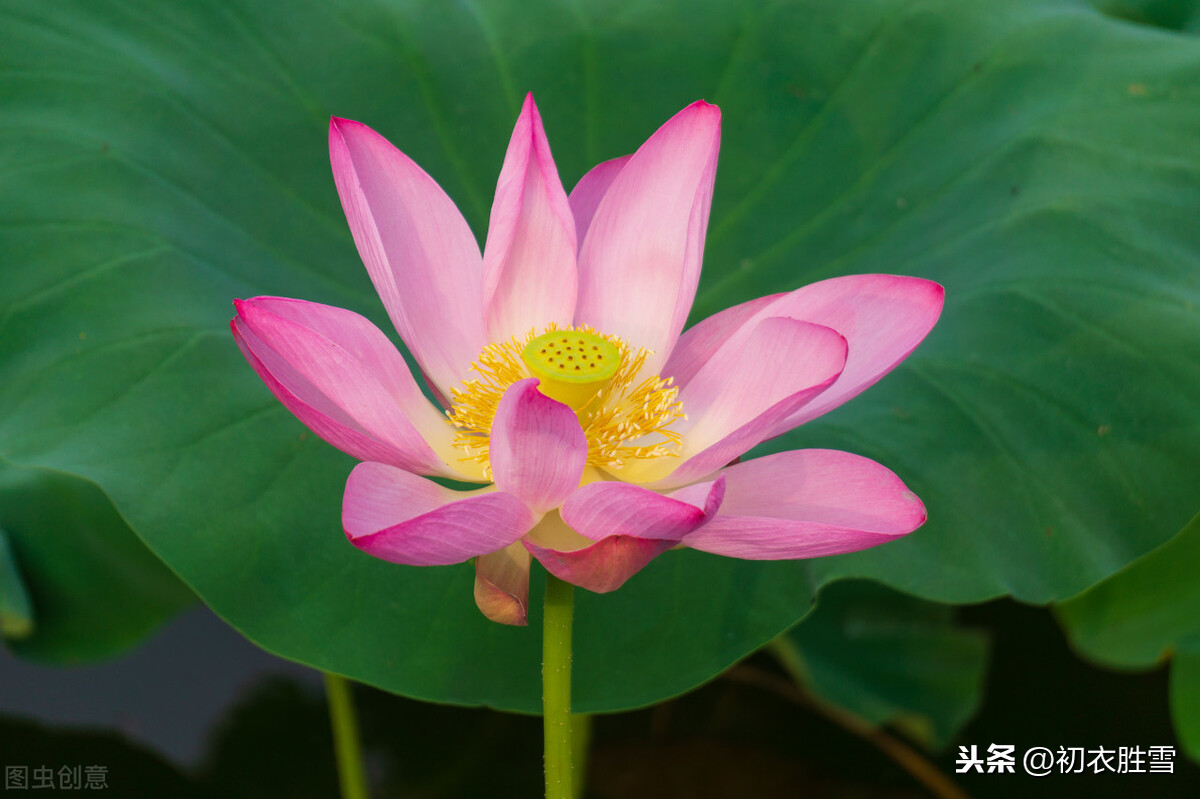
620,420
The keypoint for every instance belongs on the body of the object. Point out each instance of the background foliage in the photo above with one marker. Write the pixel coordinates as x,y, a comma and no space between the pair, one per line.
1039,159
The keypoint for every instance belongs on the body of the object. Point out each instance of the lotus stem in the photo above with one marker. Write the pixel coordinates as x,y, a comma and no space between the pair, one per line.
556,687
346,744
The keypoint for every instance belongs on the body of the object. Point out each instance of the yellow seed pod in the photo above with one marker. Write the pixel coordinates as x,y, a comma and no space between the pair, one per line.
572,365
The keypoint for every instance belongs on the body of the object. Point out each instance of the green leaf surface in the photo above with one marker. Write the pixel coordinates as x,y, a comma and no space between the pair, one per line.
1145,614
891,658
1040,159
1136,617
90,587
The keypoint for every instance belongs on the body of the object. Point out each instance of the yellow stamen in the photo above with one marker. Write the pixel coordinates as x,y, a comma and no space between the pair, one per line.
621,420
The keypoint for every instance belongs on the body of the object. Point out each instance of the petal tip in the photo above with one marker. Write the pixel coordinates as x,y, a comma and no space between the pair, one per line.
502,585
604,566
704,111
500,606
938,295
340,127
921,514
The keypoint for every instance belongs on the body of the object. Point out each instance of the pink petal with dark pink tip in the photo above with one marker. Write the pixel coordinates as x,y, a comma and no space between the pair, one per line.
417,248
502,585
882,317
604,509
808,503
745,389
321,416
603,566
640,259
775,360
701,341
529,277
590,190
342,377
537,448
397,516
631,526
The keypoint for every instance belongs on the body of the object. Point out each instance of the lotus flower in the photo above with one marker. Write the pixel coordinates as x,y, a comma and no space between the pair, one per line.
600,435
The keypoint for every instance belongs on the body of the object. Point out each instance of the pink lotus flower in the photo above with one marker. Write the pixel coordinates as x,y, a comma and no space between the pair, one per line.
602,435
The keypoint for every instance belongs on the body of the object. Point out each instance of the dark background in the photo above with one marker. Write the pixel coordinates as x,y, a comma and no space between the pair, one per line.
199,712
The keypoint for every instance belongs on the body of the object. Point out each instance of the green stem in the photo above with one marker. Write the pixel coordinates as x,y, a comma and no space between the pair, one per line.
345,737
556,687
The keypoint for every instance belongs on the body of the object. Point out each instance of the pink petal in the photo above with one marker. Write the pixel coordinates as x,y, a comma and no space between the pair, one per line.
590,190
342,377
529,262
502,585
806,504
882,317
604,509
402,518
703,339
745,389
631,526
537,448
603,566
640,260
417,248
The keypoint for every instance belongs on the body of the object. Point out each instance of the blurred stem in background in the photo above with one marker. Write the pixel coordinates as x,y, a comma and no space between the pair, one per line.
905,756
346,744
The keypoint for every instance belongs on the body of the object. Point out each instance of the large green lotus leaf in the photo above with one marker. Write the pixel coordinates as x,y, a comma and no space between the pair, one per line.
75,582
1135,618
890,658
1039,159
1143,615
